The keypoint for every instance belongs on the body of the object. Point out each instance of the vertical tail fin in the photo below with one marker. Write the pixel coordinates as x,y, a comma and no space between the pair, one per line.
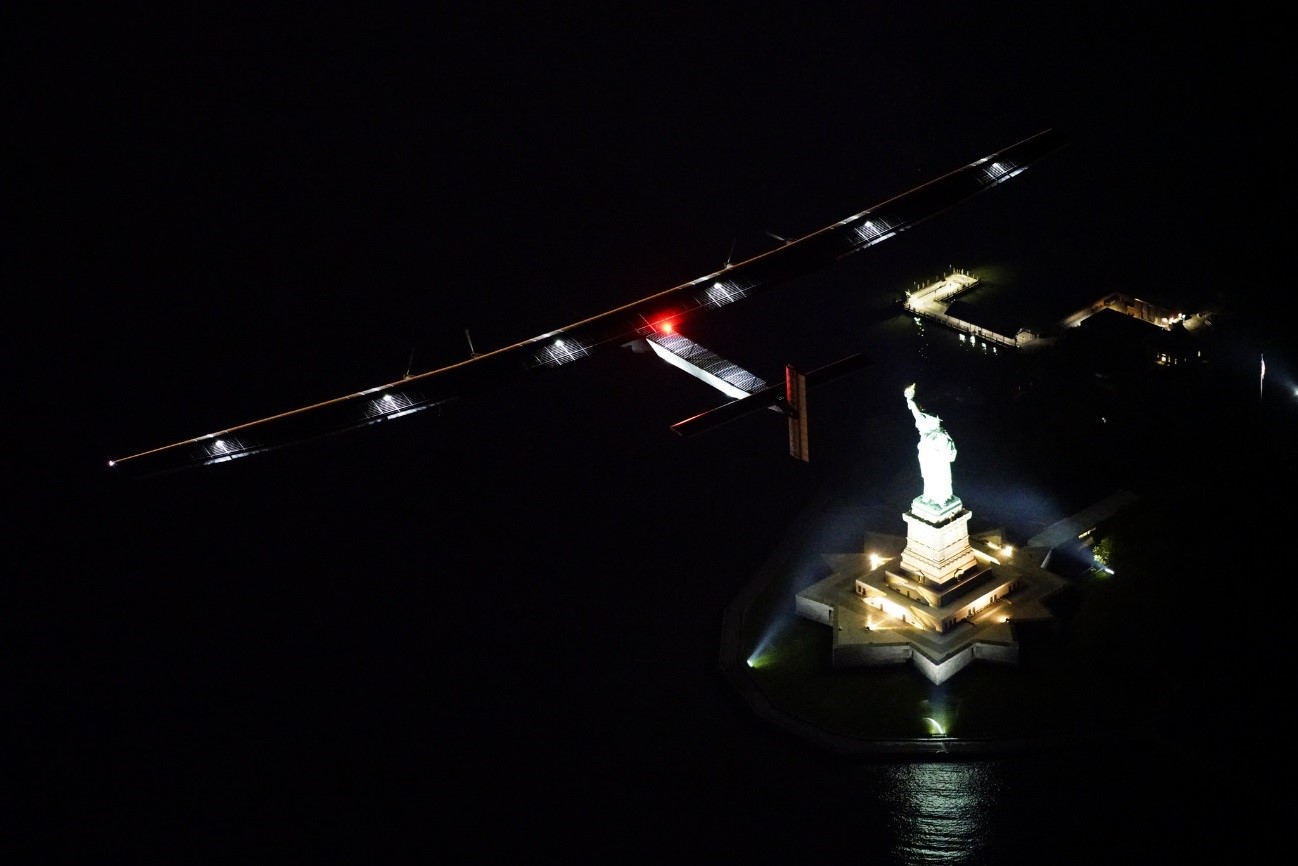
795,394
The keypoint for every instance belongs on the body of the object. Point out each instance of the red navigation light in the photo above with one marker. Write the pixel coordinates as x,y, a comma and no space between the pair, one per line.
666,326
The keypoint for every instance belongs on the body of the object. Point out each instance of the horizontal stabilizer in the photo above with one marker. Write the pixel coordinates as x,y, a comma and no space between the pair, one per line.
766,398
772,396
837,369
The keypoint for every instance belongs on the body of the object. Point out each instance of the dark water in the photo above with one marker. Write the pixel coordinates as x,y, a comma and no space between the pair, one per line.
987,812
944,810
946,813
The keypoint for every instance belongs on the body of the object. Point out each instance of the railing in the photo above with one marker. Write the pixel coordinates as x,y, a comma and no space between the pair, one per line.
965,327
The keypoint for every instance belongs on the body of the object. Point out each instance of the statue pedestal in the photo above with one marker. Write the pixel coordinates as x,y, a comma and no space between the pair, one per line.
937,539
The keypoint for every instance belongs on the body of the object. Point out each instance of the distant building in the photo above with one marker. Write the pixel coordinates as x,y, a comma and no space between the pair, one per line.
1121,342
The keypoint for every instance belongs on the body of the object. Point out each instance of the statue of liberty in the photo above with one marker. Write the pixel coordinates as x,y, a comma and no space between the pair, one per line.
936,454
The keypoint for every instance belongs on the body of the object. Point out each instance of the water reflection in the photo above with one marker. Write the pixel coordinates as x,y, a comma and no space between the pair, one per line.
941,813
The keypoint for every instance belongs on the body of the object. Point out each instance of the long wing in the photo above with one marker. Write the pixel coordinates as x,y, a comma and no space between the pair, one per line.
797,257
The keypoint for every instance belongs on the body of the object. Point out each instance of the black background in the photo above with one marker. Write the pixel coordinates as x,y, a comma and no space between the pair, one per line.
495,631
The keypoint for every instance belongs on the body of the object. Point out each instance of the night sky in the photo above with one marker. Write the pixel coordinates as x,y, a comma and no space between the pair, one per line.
506,618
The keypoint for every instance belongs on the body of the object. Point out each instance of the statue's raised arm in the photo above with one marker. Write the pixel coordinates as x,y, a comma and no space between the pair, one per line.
910,401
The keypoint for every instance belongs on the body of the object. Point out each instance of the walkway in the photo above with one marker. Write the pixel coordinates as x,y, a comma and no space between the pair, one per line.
934,300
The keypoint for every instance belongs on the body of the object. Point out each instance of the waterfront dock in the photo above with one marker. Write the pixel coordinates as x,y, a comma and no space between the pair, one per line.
933,301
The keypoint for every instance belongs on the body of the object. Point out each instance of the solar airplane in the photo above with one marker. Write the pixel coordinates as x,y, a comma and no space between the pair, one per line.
652,322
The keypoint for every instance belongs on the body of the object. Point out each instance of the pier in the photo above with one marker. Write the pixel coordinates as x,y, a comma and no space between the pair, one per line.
933,301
